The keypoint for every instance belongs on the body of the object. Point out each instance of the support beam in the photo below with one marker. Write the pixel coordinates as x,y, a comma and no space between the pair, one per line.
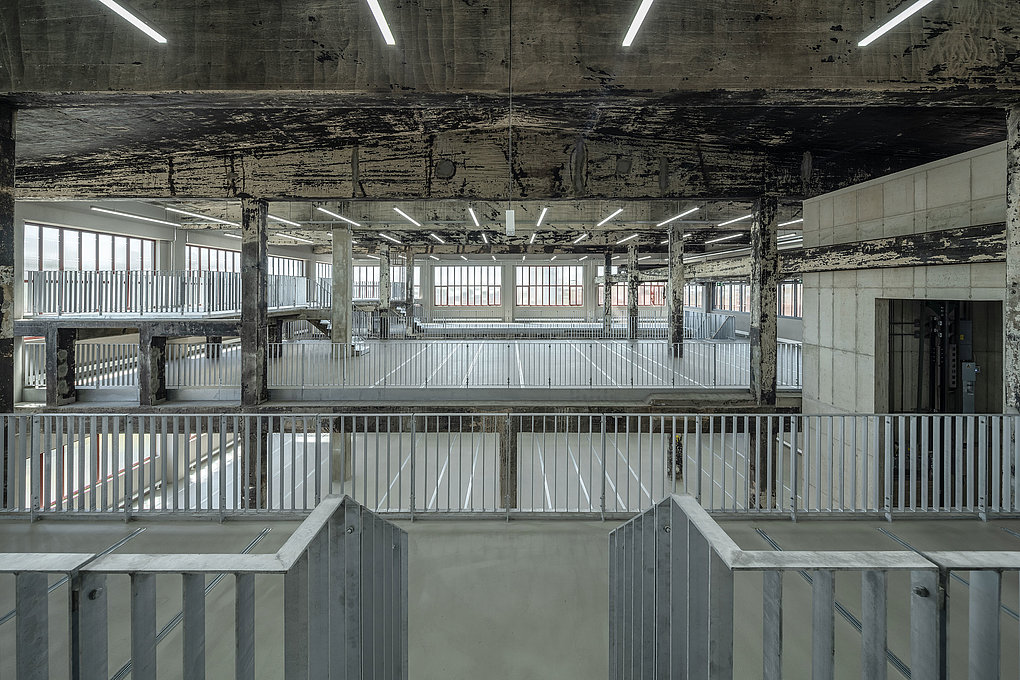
409,291
764,282
60,363
676,290
607,295
7,125
632,292
1012,307
340,331
151,368
254,325
508,431
384,292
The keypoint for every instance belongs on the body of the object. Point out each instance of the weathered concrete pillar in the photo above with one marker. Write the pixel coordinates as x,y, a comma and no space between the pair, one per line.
632,292
508,427
7,248
764,282
708,296
60,387
340,315
255,440
151,368
384,292
254,269
1011,321
676,290
341,449
607,296
409,291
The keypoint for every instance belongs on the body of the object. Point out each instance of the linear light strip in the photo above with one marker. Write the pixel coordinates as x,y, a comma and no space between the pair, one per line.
786,224
474,218
894,22
201,217
532,240
295,238
381,20
724,238
485,238
541,217
626,238
677,217
136,22
635,25
433,235
388,237
407,217
580,238
133,216
615,213
336,216
739,219
284,221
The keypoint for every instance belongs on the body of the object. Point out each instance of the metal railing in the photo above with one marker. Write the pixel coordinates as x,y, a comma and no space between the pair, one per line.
672,606
344,613
585,464
700,325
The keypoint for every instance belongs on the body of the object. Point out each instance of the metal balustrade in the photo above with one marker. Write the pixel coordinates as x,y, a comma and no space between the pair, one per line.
344,605
580,465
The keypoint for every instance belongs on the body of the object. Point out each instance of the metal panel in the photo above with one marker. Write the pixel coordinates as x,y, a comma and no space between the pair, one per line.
143,627
983,647
873,625
822,625
32,634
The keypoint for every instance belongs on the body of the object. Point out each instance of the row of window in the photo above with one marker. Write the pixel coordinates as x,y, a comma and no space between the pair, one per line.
63,249
733,296
209,259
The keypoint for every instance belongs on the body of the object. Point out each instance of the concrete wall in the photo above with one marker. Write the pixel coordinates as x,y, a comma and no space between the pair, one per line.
840,320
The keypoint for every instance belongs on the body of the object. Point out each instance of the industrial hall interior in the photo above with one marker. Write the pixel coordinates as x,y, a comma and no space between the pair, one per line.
503,339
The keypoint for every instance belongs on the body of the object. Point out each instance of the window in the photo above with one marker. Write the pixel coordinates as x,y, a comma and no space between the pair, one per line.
550,286
366,282
467,286
323,270
206,259
62,248
732,296
286,266
650,293
694,295
791,299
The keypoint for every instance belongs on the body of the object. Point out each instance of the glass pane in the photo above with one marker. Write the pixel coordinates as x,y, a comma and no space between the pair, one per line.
31,248
50,249
88,251
71,262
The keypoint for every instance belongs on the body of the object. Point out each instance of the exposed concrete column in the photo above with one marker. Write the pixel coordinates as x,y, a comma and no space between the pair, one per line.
384,292
632,292
676,290
60,387
707,296
151,368
341,447
7,272
607,295
254,324
764,282
409,291
508,427
1011,322
343,263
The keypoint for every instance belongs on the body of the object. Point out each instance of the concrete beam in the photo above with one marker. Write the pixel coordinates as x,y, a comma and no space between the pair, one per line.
340,315
254,321
60,366
764,283
676,290
1011,309
633,283
172,328
7,249
151,368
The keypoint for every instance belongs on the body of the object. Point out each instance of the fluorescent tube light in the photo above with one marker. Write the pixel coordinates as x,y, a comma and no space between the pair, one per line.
894,22
437,238
739,219
646,257
463,258
626,238
617,257
580,238
786,224
677,217
664,242
615,213
635,25
201,217
143,218
336,216
789,236
723,238
374,257
231,236
135,21
524,258
552,258
485,238
295,238
541,217
434,258
533,235
280,219
407,217
473,218
493,257
381,20
583,258
390,238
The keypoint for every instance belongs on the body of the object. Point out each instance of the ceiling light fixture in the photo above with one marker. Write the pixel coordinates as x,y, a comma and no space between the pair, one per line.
677,217
894,22
723,238
231,236
615,213
617,257
533,235
790,236
143,218
786,224
583,258
646,257
434,258
135,21
485,238
295,238
381,20
524,258
635,25
541,217
339,217
473,218
626,238
734,221
374,257
437,238
407,217
493,257
580,238
552,258
388,237
284,221
201,217
463,258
